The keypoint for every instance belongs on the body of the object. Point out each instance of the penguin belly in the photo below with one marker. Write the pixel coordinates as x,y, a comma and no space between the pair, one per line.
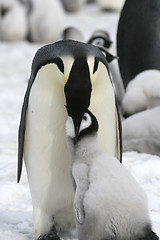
48,166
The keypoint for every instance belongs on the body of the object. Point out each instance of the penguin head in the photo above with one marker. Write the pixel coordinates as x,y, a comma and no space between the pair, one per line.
88,126
100,38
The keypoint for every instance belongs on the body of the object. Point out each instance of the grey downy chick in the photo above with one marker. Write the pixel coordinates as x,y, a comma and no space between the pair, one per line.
109,204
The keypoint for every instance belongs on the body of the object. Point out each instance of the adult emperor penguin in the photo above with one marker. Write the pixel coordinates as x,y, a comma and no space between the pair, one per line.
108,202
138,38
76,75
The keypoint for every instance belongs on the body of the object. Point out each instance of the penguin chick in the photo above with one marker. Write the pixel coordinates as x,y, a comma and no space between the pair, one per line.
141,132
72,33
43,21
13,21
142,92
108,202
73,5
100,38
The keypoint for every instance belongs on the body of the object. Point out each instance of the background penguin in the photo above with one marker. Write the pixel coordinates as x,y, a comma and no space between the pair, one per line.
142,92
141,132
102,40
138,38
43,20
65,73
73,5
72,33
108,202
13,30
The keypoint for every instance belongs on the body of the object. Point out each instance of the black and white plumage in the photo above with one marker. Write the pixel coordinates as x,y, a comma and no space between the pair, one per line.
138,38
108,202
76,75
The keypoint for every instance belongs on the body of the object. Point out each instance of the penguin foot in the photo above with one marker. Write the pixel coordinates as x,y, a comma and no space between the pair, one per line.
49,237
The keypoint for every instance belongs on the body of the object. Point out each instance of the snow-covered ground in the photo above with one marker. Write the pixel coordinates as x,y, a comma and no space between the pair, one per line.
15,201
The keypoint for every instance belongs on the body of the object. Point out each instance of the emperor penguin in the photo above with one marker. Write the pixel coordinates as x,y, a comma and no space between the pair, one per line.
102,40
67,73
138,38
108,201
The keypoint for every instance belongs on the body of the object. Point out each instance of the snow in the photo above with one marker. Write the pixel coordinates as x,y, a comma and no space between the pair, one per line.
15,200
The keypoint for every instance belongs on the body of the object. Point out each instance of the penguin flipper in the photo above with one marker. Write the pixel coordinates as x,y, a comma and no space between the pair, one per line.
21,131
80,173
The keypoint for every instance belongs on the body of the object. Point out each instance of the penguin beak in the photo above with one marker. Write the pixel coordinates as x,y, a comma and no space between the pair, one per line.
77,91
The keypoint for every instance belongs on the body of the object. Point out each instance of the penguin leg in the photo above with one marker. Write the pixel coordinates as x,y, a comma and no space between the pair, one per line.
49,237
44,225
82,185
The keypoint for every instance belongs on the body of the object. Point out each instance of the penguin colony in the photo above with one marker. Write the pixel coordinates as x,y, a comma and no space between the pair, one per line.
76,75
108,202
36,20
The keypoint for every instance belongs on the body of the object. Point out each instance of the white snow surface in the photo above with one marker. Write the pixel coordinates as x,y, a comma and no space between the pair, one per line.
15,200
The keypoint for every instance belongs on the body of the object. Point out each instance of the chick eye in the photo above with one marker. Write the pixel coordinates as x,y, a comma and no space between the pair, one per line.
98,41
85,117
